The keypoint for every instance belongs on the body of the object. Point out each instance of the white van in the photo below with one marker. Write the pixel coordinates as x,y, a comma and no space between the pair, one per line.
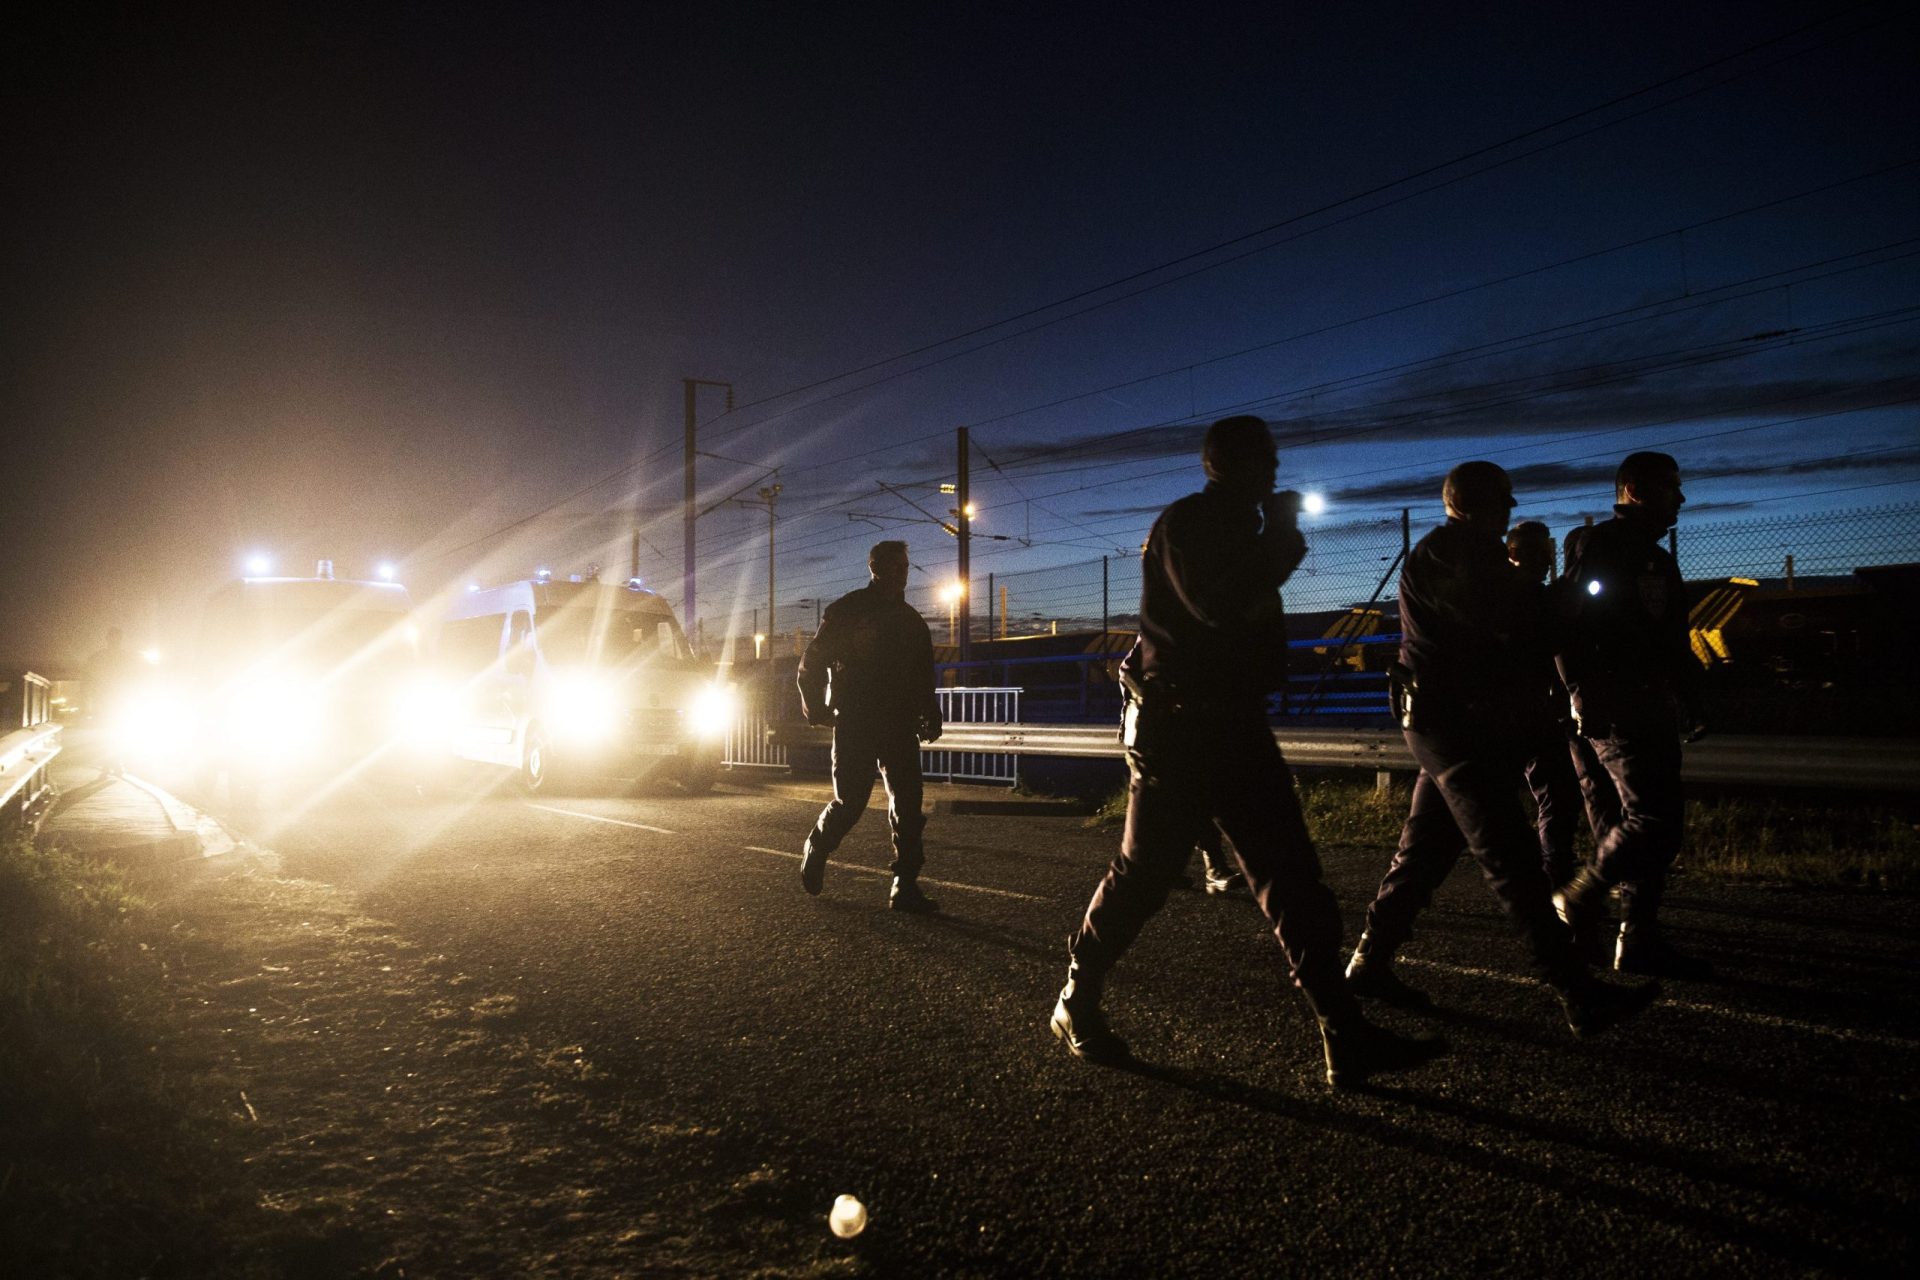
303,676
581,678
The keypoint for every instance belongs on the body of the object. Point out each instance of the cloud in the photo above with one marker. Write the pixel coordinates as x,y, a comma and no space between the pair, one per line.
1554,477
1149,509
1605,385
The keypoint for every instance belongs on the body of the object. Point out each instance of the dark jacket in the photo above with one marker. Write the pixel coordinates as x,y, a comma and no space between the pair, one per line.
1211,623
879,654
1623,640
1473,630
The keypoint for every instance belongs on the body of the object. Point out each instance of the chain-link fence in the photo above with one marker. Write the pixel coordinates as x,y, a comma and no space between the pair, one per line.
1348,564
1793,547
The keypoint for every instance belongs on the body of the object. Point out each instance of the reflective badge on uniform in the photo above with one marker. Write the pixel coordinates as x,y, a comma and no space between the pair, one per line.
1653,593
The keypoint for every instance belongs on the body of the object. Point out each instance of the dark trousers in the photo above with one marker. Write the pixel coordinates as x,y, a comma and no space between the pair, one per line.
1190,769
859,750
1467,797
1558,801
1631,781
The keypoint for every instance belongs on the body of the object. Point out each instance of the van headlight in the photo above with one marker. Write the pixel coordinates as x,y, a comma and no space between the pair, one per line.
713,711
583,709
153,723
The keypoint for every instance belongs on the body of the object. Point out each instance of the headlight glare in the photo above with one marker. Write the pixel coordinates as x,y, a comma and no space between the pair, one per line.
713,711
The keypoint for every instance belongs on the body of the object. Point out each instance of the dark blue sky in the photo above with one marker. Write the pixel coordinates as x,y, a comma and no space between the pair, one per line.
381,283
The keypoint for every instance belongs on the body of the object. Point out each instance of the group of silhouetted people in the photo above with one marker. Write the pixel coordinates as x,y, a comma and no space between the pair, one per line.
1578,689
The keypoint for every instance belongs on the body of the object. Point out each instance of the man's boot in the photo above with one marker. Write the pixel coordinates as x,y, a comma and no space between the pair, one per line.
1642,948
1078,1022
1592,1005
813,865
1582,903
1356,1049
906,896
1222,876
1370,976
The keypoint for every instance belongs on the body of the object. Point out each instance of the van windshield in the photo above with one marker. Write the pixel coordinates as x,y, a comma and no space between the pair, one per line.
580,635
239,635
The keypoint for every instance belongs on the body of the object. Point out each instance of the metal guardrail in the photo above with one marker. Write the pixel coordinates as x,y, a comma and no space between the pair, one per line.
1854,764
24,783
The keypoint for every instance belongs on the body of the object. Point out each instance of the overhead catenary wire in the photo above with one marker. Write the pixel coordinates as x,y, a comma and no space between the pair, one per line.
1713,352
629,468
1292,220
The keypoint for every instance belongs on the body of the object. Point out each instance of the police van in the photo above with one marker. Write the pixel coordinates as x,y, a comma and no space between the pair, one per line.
581,678
317,677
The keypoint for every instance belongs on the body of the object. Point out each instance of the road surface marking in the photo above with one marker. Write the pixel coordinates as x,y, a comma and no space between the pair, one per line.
881,871
594,817
1694,1006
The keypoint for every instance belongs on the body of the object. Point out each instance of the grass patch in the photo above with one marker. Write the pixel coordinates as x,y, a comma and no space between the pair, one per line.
1339,811
1816,845
1731,839
105,1169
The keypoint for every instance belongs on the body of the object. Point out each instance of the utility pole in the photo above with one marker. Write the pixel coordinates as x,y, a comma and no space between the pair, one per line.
770,494
690,387
963,520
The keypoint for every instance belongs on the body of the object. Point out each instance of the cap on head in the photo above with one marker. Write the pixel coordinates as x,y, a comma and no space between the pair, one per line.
1473,488
1233,446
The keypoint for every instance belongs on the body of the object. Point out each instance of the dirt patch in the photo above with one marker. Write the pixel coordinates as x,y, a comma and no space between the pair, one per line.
399,1112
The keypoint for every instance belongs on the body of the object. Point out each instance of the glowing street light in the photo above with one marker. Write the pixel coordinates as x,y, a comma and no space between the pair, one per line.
385,570
1313,503
953,592
259,564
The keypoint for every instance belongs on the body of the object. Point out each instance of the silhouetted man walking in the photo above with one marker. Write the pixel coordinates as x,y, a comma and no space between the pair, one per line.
1628,664
869,674
1212,646
1557,803
1472,628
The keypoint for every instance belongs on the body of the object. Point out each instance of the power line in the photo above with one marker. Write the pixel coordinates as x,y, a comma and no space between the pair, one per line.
1431,170
1702,355
629,468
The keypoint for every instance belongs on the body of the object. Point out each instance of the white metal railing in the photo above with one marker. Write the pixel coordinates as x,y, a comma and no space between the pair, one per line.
747,744
970,707
26,749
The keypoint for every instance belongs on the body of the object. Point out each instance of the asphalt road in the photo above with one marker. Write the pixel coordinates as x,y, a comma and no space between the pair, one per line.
1761,1124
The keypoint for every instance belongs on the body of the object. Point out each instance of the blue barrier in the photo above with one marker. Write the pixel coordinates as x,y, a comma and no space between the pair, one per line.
1085,696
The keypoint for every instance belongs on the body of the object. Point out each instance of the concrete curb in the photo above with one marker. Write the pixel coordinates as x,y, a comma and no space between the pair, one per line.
198,836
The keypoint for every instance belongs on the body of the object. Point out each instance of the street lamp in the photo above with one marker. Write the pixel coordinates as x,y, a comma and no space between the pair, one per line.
953,593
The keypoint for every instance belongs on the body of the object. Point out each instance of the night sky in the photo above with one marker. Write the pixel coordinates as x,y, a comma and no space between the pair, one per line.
421,282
